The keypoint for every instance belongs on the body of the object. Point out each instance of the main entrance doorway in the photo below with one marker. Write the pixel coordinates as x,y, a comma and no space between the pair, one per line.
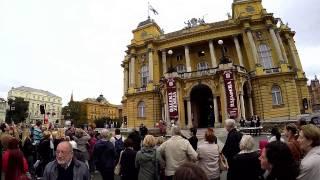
202,106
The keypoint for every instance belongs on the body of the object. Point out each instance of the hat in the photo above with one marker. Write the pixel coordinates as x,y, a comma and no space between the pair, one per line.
73,144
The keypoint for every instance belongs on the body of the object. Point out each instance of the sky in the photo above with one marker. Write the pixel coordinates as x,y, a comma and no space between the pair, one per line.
66,46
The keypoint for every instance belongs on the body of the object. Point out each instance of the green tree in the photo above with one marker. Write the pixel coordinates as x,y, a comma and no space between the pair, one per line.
18,110
75,112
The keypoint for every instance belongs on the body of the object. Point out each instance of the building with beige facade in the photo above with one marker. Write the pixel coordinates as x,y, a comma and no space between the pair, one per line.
100,108
207,72
3,110
37,97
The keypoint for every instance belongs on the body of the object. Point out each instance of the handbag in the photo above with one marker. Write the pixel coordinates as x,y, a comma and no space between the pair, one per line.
223,163
117,169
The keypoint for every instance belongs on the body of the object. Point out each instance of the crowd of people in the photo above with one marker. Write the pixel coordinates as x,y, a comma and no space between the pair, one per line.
76,153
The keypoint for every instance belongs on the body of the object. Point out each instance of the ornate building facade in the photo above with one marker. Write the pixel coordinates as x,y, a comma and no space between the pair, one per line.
36,98
206,72
100,108
90,109
3,110
314,90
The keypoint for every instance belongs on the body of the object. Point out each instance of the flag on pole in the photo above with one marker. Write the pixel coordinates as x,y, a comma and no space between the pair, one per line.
155,12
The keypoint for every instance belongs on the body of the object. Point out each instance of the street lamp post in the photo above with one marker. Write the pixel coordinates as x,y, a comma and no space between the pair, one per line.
224,59
171,68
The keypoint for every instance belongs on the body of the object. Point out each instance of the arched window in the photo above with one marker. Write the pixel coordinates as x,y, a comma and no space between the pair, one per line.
141,109
202,66
265,56
181,68
276,95
144,75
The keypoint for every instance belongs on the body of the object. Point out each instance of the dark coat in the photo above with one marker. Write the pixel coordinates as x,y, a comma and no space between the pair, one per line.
128,169
135,137
194,142
231,148
247,166
104,155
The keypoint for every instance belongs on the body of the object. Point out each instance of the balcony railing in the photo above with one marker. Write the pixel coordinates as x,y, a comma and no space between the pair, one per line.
272,70
141,89
200,73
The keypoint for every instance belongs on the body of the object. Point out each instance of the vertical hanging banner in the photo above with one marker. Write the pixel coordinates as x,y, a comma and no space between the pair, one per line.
172,99
231,94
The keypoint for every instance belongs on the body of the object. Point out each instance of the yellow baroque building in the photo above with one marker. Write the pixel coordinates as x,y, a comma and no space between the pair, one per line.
207,72
100,108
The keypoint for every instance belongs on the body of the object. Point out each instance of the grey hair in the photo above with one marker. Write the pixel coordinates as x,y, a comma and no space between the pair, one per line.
105,134
176,130
246,143
230,123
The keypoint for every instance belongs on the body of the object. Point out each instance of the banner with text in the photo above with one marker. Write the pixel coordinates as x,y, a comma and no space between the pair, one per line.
231,94
172,99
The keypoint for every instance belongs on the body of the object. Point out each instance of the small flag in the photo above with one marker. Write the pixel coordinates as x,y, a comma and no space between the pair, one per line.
155,12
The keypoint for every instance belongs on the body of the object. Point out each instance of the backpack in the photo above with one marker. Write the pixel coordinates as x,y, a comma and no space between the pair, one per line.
118,145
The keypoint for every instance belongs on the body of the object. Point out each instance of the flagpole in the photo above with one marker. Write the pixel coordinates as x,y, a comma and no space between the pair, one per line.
148,10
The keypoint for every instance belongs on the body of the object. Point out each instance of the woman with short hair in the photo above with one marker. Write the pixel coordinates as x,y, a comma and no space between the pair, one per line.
276,158
208,156
246,162
147,160
309,141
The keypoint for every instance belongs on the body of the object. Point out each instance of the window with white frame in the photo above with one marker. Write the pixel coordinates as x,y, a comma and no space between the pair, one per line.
202,66
141,109
265,56
276,95
181,68
144,75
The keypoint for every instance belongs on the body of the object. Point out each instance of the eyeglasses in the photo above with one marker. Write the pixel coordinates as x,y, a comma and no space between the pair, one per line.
62,152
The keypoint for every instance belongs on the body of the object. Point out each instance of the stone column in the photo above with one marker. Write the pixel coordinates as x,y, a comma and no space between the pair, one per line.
125,79
164,61
212,55
253,47
276,44
294,54
150,60
216,111
284,55
251,106
240,57
132,72
189,113
186,52
243,110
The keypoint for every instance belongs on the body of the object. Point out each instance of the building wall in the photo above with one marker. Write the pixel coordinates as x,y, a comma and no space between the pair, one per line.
96,110
36,98
3,109
249,19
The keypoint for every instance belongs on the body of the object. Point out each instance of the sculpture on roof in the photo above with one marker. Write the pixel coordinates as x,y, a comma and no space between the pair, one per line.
194,22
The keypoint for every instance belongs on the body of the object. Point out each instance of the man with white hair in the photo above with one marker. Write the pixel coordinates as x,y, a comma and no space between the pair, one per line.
104,155
231,147
65,166
176,151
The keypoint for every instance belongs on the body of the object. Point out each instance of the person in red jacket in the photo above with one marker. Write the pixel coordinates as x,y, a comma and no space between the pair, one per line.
14,164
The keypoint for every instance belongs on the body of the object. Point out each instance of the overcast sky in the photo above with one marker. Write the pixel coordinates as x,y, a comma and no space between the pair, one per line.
78,45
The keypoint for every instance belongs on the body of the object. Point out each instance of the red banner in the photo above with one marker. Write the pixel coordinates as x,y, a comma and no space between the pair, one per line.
172,99
231,94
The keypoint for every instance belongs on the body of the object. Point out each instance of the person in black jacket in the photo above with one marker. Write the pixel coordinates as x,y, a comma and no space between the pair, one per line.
136,139
246,164
104,155
128,170
231,147
45,152
193,139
